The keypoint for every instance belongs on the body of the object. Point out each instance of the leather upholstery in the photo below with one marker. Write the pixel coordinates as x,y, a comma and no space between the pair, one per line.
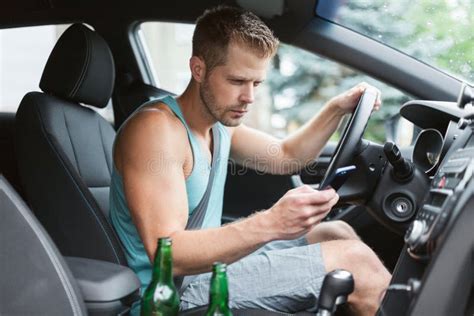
135,95
64,149
80,68
35,278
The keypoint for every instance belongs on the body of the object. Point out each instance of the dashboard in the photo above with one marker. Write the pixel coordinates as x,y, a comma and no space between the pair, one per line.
435,272
446,188
439,129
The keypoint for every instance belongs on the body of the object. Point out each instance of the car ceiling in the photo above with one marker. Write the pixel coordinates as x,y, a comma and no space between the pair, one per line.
287,18
36,12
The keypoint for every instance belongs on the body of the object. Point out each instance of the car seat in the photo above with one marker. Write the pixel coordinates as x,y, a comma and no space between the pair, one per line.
64,149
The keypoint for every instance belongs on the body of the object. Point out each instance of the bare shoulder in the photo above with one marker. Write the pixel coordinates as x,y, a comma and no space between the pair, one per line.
153,130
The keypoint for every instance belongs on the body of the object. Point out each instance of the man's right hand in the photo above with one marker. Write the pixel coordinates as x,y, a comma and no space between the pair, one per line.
299,210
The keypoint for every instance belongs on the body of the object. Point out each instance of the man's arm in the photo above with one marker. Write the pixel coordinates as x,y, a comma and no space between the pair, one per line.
151,155
260,151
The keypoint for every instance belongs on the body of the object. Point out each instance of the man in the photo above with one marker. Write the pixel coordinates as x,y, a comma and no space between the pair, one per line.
163,156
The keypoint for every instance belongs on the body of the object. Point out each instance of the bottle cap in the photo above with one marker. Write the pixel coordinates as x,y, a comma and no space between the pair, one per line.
219,267
166,241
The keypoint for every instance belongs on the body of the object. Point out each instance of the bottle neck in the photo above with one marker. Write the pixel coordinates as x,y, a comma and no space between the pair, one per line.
219,293
163,265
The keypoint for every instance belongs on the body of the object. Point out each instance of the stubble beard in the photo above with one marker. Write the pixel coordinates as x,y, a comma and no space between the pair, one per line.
218,113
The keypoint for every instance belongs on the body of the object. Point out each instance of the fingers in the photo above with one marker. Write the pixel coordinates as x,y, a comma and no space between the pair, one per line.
316,218
378,101
303,189
311,196
312,221
317,213
348,100
333,201
302,208
310,210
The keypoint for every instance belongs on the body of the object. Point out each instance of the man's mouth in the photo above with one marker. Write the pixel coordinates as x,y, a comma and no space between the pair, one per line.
239,113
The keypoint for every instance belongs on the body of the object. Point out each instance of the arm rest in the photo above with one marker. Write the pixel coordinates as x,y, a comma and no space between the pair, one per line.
102,281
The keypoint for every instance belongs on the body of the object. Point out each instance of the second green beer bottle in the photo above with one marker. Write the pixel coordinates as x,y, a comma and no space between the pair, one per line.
161,297
219,292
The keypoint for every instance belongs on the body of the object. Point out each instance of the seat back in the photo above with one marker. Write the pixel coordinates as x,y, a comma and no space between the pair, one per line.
64,149
131,96
35,278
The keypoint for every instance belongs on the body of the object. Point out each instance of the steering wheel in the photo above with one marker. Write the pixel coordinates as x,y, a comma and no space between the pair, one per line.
352,134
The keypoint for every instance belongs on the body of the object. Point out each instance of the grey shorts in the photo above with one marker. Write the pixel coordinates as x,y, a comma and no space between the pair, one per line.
281,276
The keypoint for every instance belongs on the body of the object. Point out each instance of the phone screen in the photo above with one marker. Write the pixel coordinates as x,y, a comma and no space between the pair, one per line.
337,179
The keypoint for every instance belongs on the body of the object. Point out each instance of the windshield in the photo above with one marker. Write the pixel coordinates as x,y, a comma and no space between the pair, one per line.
439,32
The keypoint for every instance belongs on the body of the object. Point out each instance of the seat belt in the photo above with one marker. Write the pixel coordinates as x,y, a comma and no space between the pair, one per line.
196,219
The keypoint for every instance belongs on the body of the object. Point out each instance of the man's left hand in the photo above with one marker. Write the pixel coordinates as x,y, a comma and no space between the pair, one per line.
347,101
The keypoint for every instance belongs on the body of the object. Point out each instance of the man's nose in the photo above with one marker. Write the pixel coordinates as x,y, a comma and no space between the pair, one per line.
248,94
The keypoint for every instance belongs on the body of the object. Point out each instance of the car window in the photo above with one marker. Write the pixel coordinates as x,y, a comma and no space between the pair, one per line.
23,55
439,32
169,48
297,86
300,83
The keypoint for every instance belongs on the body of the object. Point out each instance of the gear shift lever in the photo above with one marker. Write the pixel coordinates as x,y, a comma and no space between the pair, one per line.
337,285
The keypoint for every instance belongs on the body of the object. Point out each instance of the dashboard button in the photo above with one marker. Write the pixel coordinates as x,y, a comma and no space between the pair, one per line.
442,182
414,233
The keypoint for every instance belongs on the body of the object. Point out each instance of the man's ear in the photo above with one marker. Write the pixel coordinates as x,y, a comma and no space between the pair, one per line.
198,68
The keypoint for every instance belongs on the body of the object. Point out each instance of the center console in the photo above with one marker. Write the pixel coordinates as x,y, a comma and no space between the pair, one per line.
446,188
107,288
434,274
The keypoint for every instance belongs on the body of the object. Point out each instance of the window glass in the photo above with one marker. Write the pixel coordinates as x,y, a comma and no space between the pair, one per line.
301,82
169,46
23,55
298,84
437,32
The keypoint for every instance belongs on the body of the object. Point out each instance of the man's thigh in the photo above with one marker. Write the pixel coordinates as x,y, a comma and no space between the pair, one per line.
332,230
283,276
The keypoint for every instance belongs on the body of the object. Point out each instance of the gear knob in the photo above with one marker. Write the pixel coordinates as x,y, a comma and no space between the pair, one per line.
337,286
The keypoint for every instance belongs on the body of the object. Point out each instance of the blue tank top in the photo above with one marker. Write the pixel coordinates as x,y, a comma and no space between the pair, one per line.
196,184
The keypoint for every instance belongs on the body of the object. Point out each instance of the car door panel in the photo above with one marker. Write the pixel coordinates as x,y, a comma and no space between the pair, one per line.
8,165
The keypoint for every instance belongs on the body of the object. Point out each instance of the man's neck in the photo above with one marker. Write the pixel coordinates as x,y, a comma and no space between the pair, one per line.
195,112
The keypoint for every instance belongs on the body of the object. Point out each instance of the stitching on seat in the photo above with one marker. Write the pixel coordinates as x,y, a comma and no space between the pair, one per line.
58,267
103,146
72,145
90,208
84,66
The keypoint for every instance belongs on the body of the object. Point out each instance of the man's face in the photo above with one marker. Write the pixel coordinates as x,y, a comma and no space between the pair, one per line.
230,88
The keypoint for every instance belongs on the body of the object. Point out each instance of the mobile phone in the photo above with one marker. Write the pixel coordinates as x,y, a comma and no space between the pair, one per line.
337,179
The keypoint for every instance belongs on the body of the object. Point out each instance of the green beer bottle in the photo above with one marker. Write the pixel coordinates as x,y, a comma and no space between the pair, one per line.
219,293
161,297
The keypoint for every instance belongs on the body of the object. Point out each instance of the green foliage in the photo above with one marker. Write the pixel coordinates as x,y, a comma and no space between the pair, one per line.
437,32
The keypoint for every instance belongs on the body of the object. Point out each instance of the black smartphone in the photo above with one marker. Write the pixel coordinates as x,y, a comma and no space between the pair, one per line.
337,179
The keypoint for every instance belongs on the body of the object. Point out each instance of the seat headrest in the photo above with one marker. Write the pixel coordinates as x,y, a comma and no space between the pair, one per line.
80,68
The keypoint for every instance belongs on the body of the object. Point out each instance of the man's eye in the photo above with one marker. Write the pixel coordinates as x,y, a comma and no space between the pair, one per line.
236,81
256,83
